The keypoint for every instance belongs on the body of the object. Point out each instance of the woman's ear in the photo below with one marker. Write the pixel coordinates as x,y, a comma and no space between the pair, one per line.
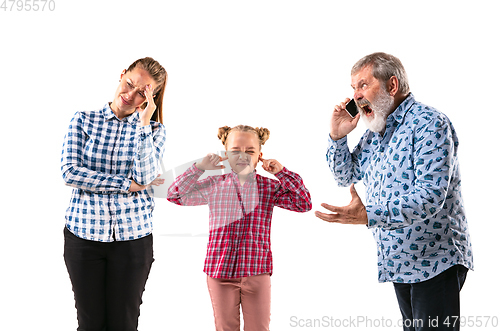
123,73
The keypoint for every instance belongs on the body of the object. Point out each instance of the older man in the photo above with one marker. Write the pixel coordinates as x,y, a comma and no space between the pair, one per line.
408,163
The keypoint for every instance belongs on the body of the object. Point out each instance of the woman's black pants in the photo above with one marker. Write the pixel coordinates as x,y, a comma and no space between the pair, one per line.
108,280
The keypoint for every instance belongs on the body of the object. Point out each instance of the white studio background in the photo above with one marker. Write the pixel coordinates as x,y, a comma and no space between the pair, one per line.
278,64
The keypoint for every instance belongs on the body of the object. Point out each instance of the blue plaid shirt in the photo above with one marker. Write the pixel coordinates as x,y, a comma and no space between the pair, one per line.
413,195
100,157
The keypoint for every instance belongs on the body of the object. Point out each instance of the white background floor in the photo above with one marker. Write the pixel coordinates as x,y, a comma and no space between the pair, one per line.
278,64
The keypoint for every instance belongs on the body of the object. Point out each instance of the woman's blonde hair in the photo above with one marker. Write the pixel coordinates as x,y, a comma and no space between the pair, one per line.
262,133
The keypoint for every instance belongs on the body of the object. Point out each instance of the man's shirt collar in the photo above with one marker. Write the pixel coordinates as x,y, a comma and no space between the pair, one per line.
399,113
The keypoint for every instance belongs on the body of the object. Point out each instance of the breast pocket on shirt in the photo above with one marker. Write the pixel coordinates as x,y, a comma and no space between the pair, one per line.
125,156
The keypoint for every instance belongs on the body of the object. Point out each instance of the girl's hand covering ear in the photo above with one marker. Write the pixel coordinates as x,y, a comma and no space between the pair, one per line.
272,166
210,162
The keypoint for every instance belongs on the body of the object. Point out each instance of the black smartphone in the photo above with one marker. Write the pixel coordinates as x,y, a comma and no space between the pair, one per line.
351,108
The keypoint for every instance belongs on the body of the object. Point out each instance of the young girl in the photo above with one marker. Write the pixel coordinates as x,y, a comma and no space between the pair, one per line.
110,158
239,261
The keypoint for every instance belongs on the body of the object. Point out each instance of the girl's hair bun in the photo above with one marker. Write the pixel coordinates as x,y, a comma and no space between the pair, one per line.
263,135
223,133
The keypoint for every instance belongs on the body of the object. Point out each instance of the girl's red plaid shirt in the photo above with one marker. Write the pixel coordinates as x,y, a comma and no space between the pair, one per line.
240,216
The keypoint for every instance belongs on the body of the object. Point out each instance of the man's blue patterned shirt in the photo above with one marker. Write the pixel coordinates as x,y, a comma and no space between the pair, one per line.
413,195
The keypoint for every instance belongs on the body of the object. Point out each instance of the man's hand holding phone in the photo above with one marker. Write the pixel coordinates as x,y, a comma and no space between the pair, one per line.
343,122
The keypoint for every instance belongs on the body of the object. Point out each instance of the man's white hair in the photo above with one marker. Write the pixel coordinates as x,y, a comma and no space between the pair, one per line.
384,66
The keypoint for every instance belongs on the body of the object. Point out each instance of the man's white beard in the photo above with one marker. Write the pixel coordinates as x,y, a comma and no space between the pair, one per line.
381,108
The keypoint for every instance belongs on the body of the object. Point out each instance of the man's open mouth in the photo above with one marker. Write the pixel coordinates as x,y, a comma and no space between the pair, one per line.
368,111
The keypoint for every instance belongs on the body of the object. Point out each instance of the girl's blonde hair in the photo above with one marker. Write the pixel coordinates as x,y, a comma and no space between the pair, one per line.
262,133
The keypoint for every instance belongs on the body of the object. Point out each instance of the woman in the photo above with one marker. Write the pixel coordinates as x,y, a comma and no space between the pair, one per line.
111,157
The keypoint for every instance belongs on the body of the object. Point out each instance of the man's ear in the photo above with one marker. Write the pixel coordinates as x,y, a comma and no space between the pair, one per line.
260,157
393,86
